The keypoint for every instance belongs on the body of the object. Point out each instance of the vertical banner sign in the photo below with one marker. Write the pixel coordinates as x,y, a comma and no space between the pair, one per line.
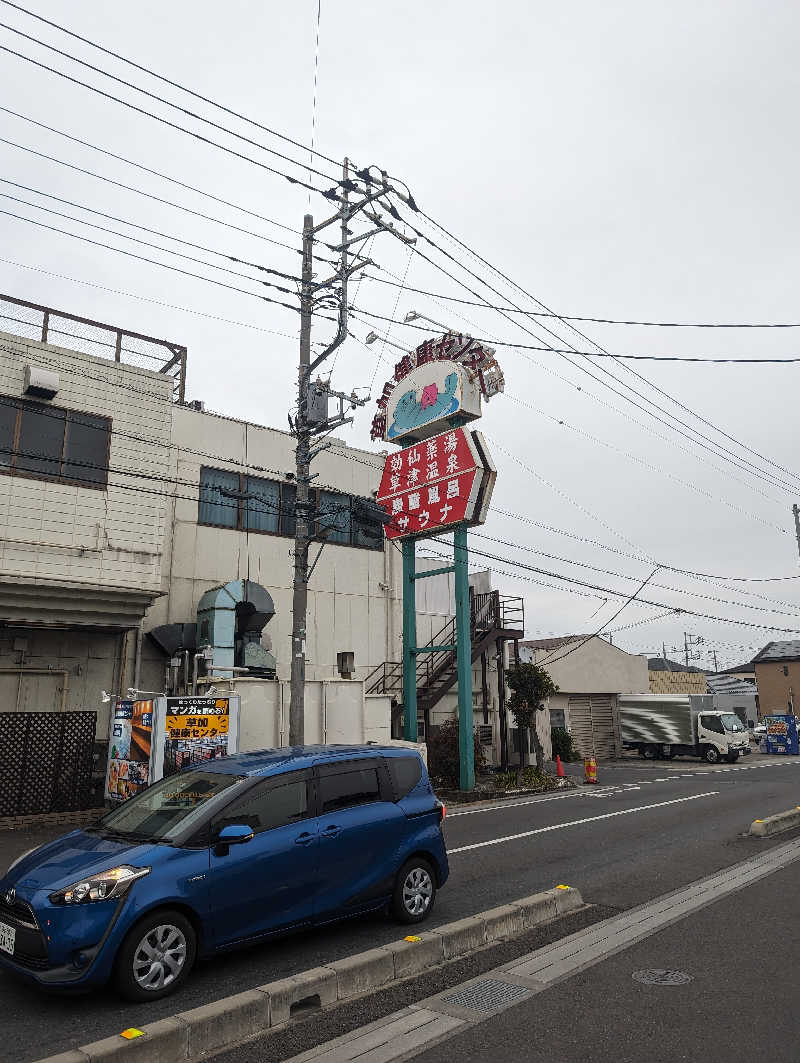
196,730
442,481
130,746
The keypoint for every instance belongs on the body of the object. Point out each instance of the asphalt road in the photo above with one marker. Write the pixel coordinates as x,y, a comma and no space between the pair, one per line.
730,1011
648,830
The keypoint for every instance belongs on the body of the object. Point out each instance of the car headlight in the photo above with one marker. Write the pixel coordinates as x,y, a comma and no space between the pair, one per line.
105,886
20,857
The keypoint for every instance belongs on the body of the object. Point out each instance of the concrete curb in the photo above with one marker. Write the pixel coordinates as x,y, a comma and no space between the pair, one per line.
191,1034
763,828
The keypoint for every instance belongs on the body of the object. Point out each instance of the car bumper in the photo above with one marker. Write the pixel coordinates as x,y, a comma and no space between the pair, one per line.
61,947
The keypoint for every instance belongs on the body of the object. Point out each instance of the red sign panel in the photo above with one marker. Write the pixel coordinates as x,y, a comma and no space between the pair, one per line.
431,485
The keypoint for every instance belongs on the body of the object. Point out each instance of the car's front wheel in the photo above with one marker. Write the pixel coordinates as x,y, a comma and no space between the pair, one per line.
414,891
156,957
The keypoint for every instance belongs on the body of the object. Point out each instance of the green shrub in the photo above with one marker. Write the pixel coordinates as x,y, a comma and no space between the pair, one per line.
528,778
562,744
443,758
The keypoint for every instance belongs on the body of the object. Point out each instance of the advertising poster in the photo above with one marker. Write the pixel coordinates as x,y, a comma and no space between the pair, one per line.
196,729
130,745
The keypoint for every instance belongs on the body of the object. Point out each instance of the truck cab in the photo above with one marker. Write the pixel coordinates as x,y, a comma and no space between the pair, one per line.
721,734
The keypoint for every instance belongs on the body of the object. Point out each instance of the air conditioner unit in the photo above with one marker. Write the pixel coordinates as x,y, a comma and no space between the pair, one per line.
41,383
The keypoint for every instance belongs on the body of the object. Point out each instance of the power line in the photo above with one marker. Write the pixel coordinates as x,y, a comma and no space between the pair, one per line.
593,354
165,121
148,243
703,440
158,99
314,99
625,604
623,594
723,452
656,469
152,261
603,351
593,320
150,195
166,80
141,298
792,610
155,232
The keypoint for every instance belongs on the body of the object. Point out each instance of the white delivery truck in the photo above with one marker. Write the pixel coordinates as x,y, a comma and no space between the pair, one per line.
670,725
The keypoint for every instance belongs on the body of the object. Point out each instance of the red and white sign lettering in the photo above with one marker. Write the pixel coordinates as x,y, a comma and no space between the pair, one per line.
432,484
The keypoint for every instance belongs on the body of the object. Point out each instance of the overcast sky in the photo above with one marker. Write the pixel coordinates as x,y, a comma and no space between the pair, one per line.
627,160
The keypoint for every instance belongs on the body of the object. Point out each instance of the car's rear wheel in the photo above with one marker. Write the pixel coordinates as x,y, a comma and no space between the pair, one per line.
156,957
414,891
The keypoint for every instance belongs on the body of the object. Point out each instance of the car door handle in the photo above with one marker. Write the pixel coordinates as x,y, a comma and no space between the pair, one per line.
332,832
304,839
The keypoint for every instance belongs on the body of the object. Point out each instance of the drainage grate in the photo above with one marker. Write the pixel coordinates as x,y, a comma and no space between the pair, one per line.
659,976
487,994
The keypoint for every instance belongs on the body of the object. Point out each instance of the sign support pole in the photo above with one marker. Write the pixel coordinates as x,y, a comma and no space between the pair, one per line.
466,748
409,641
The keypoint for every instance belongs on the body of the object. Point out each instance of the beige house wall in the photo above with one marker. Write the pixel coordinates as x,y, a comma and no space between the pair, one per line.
677,683
777,690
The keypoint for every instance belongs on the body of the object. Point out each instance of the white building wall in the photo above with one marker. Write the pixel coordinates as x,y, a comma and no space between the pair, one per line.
58,532
354,593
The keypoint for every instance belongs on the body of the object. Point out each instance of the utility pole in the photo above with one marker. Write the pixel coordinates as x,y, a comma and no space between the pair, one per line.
689,643
310,420
302,509
796,512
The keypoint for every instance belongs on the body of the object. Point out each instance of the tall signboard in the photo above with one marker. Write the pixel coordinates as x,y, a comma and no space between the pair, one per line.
441,480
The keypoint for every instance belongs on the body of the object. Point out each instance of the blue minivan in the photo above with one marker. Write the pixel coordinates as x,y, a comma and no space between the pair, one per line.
225,854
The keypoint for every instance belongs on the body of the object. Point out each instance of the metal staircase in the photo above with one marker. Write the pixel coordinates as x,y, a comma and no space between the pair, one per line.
493,617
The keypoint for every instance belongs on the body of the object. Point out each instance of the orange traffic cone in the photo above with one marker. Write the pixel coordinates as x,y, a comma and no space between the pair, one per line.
559,767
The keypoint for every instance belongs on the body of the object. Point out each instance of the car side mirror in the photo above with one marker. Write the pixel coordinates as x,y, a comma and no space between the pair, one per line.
235,834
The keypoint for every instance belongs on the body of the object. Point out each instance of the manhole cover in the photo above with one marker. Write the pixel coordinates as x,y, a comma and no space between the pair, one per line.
487,994
658,976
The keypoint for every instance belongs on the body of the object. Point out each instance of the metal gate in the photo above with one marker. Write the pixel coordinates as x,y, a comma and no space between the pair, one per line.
46,761
591,721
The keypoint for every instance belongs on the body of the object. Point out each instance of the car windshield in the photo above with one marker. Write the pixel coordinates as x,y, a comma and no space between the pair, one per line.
171,805
731,722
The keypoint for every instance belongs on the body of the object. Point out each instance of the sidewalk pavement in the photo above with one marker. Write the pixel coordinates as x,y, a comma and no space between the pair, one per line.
742,1002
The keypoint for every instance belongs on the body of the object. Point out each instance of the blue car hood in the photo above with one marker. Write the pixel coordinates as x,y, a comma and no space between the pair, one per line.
75,856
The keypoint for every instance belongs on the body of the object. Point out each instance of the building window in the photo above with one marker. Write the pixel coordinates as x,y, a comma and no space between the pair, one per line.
254,504
219,504
333,517
49,443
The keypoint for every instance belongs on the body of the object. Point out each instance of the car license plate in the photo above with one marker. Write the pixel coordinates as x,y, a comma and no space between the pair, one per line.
7,935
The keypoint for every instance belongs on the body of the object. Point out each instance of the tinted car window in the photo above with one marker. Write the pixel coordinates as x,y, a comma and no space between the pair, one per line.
405,773
170,805
348,788
268,806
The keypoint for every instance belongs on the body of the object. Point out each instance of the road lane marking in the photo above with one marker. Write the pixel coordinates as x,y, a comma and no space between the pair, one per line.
531,801
577,822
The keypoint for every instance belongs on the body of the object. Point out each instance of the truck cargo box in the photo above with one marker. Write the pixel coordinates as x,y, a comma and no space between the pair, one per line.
662,719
